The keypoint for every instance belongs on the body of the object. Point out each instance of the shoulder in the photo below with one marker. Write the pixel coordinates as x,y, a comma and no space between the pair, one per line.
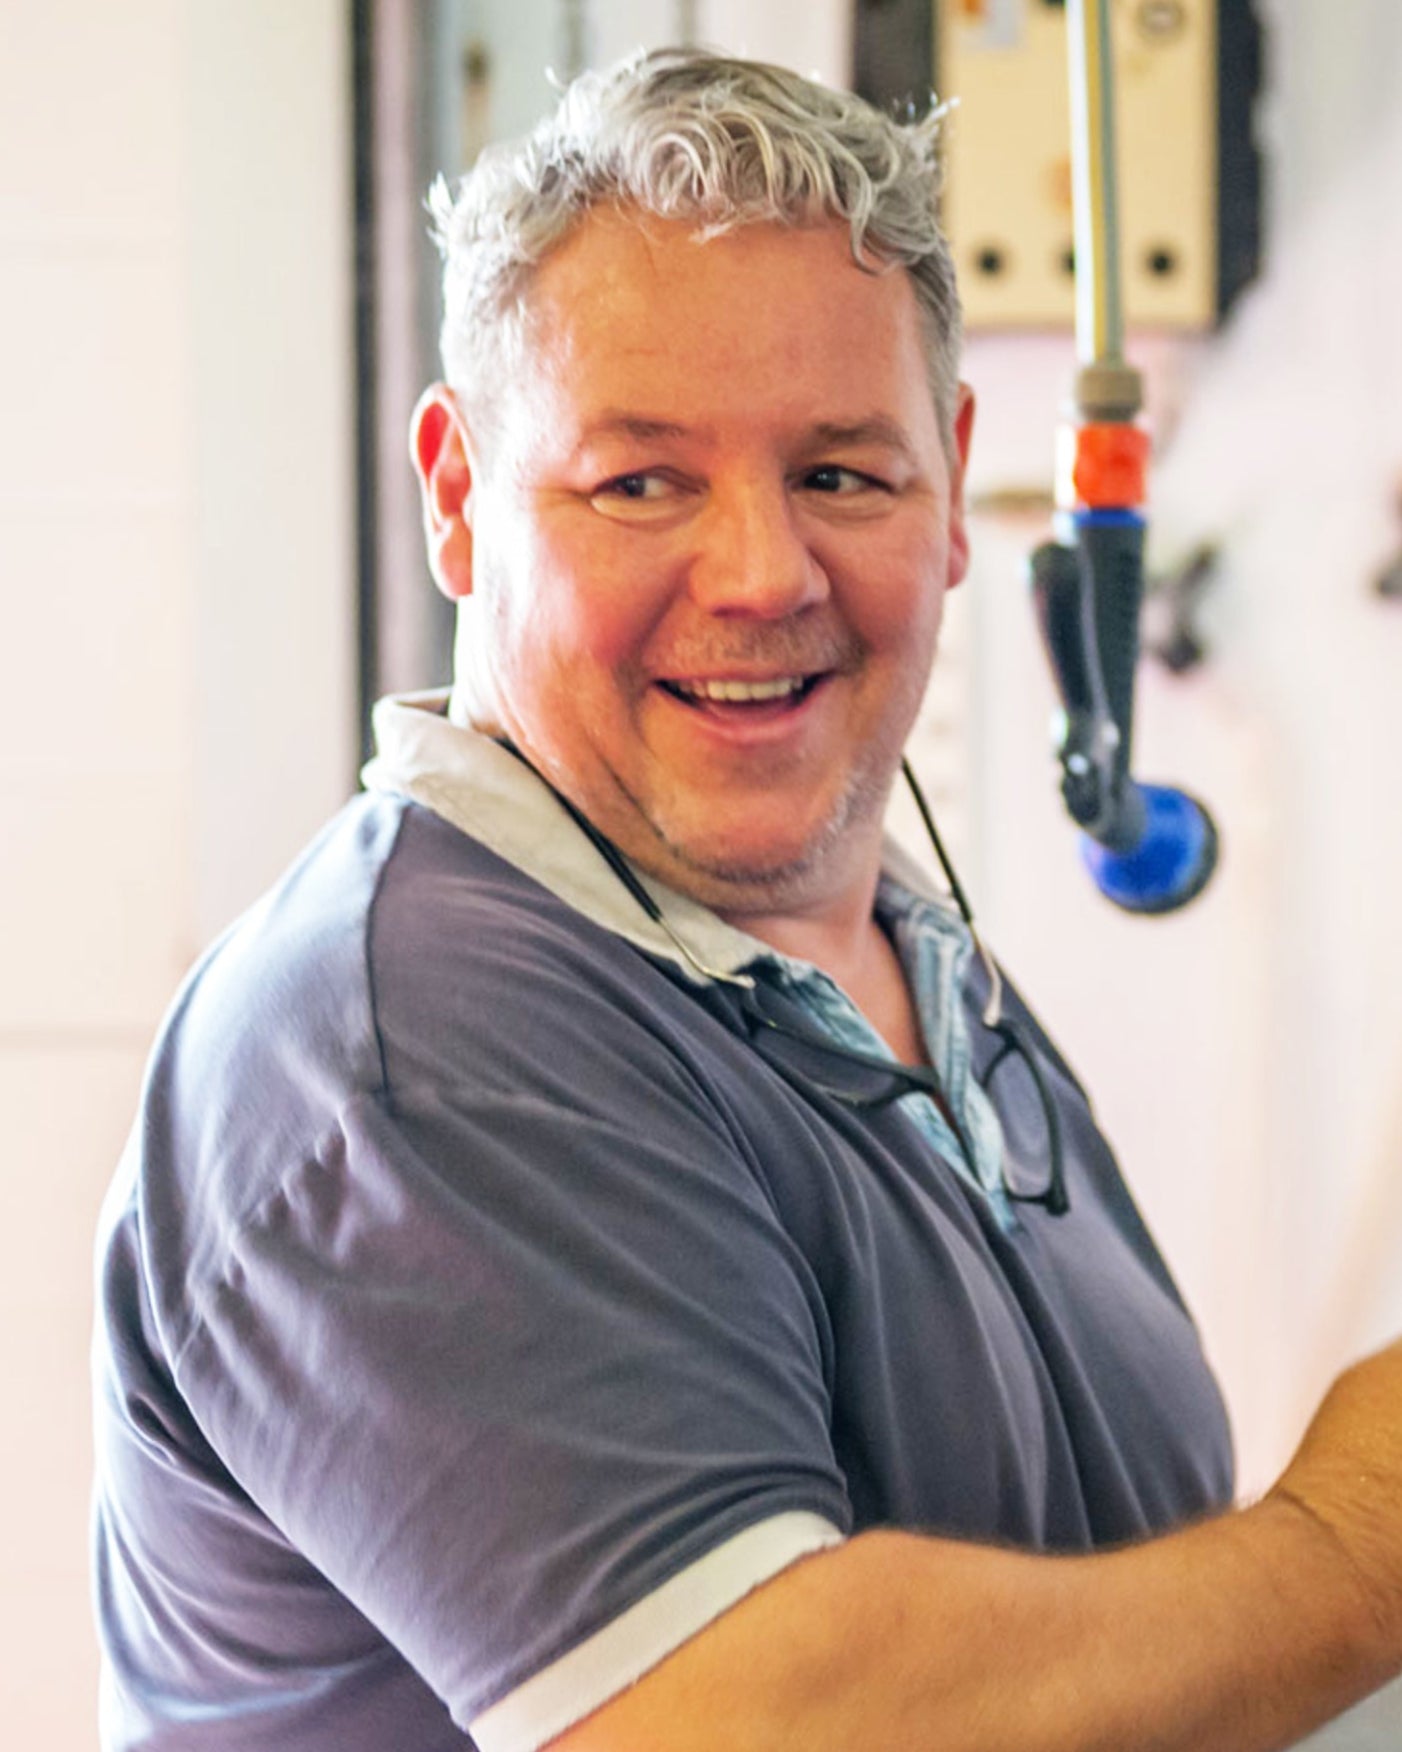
486,984
269,1039
389,911
398,967
288,982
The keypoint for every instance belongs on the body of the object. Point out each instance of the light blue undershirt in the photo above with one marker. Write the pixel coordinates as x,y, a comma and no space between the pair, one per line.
934,948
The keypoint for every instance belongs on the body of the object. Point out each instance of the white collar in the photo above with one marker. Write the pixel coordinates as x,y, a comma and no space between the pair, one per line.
488,793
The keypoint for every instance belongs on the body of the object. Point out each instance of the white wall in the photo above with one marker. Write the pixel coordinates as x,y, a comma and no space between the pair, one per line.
526,42
175,545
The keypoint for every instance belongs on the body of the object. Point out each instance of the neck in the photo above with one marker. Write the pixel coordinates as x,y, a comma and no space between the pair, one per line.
844,940
835,935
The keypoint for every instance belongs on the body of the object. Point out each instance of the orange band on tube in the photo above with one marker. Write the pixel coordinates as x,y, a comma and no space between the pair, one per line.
1103,467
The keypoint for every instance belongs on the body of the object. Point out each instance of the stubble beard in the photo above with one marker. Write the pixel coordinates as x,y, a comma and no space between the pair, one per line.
734,886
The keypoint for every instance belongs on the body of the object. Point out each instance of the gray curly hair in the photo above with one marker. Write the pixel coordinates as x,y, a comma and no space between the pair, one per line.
687,135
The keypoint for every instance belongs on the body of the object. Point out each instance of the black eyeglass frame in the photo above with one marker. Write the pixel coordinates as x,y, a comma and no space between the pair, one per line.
903,1079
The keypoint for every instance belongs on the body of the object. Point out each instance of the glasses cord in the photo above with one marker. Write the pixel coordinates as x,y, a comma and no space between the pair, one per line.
625,873
604,846
993,1009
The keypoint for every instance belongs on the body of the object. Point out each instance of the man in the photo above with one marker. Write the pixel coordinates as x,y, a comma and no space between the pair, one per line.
538,1304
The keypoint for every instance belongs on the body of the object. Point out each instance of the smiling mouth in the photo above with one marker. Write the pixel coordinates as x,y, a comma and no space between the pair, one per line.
783,690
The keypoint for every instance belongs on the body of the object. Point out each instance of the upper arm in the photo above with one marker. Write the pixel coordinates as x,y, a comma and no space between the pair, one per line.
515,1354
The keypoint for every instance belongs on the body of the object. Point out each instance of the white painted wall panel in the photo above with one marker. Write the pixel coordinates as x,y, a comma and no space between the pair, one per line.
176,596
90,106
102,590
815,36
272,441
96,901
66,1112
91,359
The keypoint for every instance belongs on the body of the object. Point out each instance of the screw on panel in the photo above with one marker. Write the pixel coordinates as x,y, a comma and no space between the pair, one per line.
1162,19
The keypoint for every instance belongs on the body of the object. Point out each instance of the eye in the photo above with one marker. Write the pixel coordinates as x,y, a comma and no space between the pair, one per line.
638,496
631,486
832,478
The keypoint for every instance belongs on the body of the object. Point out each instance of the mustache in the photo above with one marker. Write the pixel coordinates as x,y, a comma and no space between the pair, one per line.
778,649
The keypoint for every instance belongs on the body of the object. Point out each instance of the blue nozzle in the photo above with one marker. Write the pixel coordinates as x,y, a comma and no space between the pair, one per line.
1168,865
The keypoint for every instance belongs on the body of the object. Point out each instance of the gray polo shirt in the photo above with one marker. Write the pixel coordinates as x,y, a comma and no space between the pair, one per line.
483,1311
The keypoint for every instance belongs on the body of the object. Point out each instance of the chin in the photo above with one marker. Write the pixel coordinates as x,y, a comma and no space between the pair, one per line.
739,866
739,869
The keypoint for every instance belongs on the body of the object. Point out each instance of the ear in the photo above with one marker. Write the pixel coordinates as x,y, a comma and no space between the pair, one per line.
958,467
440,449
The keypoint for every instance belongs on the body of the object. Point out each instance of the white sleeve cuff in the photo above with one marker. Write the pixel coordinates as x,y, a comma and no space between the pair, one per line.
614,1657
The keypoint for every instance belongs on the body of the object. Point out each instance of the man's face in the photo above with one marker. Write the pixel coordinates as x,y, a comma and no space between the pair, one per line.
710,539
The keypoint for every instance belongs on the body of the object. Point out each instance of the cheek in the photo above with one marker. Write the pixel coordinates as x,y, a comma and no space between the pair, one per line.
597,599
896,599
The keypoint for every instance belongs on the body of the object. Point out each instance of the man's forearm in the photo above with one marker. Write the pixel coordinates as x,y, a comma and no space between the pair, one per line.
1239,1635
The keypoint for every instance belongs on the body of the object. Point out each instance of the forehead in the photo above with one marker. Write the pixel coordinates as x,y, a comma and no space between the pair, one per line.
648,315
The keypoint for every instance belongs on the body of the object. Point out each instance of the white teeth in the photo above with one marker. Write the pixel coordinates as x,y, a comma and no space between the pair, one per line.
741,690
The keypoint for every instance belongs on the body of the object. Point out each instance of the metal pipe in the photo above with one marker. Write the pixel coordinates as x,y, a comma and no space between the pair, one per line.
1149,848
1106,387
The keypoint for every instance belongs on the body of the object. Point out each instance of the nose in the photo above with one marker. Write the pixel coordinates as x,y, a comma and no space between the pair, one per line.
751,558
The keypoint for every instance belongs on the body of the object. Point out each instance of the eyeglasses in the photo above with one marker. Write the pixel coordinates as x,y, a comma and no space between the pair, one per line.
1033,1170
1009,1070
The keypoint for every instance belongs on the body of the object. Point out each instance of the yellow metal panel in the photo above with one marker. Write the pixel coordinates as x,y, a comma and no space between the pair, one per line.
1008,196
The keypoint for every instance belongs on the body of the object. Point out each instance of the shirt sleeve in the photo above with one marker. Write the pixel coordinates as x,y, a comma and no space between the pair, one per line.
520,1356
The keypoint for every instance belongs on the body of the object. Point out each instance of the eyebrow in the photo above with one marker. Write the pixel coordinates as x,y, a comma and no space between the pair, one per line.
877,429
874,429
611,424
